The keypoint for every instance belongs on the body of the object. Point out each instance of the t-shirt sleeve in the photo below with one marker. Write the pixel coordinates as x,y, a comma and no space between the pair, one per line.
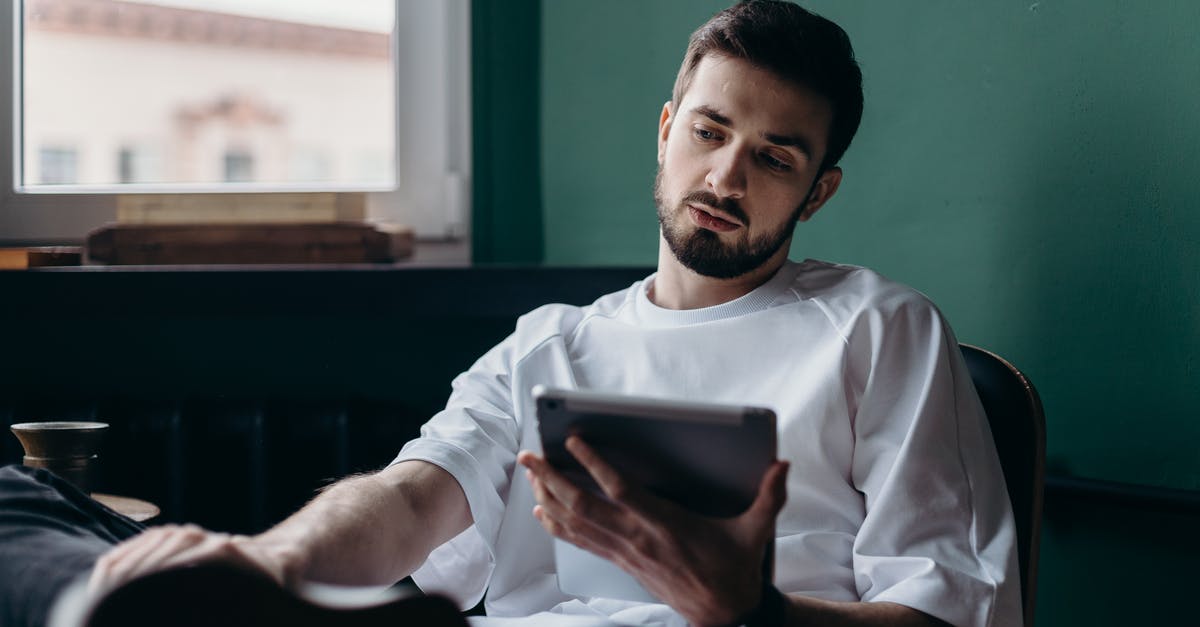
475,438
938,534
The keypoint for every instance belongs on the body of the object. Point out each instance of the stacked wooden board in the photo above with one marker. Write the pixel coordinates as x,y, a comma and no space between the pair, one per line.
164,244
165,229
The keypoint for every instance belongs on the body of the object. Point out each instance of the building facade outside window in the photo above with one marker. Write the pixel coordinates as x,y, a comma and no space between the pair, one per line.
195,95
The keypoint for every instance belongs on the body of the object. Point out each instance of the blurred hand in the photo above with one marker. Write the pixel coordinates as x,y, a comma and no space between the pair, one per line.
707,569
168,546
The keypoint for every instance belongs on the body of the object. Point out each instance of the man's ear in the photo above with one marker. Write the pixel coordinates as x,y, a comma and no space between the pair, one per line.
823,190
664,129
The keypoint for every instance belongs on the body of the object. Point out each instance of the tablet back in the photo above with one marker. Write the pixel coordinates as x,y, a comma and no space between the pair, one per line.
707,458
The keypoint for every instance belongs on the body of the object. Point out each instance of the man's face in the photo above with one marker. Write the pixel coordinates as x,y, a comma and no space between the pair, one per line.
738,161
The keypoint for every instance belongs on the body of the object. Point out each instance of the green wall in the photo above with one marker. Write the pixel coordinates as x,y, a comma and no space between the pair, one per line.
1034,167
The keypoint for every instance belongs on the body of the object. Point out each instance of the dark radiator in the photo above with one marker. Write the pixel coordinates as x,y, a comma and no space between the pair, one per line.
236,466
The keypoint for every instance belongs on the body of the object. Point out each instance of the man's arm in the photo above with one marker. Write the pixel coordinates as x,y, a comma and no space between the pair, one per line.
365,530
802,610
708,570
372,529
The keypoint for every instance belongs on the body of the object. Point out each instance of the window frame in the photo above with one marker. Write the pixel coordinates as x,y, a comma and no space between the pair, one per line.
432,57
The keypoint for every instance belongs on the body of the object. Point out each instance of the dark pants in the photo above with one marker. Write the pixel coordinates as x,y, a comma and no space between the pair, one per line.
50,534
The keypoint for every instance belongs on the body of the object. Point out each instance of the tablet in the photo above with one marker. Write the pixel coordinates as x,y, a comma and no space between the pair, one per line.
706,457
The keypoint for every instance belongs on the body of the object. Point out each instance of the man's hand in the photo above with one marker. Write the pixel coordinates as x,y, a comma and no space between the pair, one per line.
362,531
709,570
168,546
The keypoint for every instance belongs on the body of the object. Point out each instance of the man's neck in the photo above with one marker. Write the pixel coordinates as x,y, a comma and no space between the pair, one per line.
676,287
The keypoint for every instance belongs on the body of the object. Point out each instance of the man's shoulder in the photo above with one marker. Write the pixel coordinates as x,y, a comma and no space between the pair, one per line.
848,291
562,319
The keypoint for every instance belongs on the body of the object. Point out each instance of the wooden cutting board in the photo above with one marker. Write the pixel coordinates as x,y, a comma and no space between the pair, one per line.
331,242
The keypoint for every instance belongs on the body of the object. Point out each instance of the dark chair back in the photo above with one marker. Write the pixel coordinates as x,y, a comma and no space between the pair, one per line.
1018,425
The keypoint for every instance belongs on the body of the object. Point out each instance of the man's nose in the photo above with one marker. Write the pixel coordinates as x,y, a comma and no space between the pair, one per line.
727,173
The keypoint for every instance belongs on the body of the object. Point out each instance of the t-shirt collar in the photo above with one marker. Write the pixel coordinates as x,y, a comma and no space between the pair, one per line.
757,299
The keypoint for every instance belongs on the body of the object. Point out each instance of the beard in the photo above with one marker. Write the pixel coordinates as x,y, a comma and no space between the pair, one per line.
701,250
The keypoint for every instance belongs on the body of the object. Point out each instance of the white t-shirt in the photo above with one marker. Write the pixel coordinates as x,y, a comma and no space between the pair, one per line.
894,492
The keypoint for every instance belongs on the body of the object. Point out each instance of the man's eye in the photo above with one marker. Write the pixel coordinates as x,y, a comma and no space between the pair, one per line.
775,164
705,134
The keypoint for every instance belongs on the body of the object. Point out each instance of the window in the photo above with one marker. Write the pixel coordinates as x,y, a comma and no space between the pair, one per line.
126,169
139,163
213,96
57,166
239,166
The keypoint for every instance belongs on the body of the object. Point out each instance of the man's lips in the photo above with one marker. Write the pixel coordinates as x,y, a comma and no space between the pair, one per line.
707,218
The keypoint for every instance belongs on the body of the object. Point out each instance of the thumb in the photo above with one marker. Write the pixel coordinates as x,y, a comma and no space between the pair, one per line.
772,494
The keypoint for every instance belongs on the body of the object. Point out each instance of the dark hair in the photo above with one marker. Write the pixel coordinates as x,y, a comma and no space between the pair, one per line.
797,45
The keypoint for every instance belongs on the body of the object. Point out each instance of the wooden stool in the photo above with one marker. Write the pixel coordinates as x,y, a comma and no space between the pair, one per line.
70,449
136,509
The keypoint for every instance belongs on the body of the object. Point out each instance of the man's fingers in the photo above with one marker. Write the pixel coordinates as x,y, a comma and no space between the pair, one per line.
157,553
139,553
561,522
148,538
772,494
572,497
550,481
589,519
165,547
615,486
573,519
558,529
217,546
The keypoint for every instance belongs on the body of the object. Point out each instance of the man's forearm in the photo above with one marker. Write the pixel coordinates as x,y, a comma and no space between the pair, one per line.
802,610
370,530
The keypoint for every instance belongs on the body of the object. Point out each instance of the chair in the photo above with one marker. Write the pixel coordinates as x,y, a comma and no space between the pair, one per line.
1018,425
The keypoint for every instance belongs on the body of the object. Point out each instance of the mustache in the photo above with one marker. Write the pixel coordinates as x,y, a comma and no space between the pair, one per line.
728,205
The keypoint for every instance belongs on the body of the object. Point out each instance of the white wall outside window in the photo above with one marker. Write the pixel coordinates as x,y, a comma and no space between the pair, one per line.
432,139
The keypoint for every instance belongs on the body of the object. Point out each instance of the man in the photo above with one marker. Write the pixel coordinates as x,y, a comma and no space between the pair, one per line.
888,505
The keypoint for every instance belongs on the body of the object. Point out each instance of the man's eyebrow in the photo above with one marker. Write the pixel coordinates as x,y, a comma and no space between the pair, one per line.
795,141
713,115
